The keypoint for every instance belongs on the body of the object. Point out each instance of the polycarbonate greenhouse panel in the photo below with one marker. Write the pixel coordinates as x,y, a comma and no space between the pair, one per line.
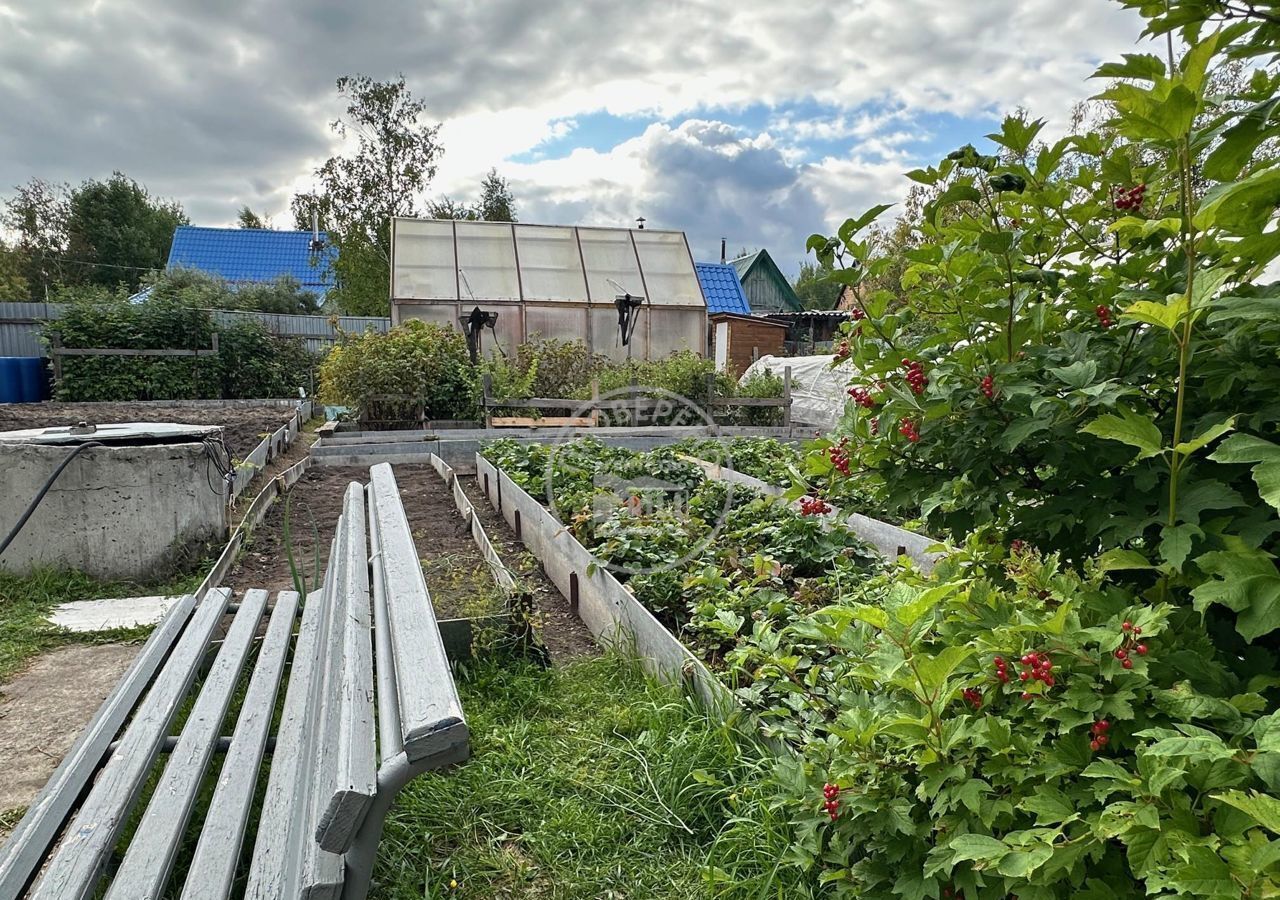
609,255
487,261
668,269
424,264
540,263
550,265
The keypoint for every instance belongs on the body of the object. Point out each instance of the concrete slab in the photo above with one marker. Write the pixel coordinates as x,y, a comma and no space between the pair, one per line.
103,615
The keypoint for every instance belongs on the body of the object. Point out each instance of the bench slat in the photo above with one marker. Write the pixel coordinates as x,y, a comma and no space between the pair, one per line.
149,858
213,869
355,769
430,712
31,840
390,738
74,870
275,870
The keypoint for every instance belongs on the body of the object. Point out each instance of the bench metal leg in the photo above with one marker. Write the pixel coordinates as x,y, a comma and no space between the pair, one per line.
393,775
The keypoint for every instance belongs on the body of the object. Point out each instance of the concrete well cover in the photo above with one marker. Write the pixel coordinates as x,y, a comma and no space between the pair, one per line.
133,432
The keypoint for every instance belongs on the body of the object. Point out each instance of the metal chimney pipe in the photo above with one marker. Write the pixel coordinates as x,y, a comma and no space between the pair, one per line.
722,249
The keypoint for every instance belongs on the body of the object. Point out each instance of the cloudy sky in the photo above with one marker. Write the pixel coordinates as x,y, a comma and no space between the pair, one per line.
758,121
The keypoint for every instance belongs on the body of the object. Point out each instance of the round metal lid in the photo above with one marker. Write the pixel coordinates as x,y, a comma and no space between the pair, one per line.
133,432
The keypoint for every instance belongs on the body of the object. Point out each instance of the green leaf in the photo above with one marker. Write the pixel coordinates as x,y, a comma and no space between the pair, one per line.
1021,863
1165,315
1017,134
1121,560
909,613
1128,428
1077,375
1205,874
1142,66
977,847
1245,448
1175,543
934,671
1262,808
997,242
1019,431
959,192
1050,806
1206,437
853,226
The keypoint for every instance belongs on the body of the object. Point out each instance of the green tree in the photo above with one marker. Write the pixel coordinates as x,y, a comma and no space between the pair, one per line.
393,161
116,231
247,218
814,287
13,283
448,208
497,204
37,214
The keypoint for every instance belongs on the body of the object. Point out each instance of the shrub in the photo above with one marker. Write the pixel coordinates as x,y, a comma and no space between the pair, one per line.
418,361
251,362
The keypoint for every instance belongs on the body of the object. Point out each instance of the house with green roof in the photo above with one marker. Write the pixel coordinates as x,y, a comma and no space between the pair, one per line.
767,289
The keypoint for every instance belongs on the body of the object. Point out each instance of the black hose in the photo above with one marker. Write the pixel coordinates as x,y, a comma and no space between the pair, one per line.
31,508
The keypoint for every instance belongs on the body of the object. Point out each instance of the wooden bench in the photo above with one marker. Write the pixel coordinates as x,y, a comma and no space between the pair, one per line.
370,703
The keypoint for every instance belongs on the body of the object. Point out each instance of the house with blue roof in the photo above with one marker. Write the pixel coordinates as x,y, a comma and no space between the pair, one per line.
241,256
737,338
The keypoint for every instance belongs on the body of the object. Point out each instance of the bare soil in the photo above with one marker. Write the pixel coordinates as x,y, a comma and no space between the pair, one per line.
559,629
459,579
44,709
243,427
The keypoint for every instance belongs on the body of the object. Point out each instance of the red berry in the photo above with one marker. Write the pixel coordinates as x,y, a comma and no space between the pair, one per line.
1128,664
1094,745
999,660
1121,654
1027,695
1142,649
1102,739
1101,725
1137,630
1127,626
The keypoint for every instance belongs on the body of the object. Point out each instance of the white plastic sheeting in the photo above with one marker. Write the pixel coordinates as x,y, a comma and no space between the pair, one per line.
818,392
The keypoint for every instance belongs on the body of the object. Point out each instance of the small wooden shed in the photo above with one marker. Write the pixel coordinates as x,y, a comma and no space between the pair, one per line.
737,341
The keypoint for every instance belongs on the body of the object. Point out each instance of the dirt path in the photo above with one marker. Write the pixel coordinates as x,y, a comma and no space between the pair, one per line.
42,712
562,632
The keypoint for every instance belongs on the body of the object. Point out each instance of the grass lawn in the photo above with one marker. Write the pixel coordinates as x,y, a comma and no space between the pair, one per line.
25,601
586,781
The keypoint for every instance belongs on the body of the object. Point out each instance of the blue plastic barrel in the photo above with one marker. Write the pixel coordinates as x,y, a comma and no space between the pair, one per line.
31,379
10,379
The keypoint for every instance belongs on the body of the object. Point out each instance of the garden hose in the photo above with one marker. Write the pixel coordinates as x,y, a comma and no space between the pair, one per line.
31,508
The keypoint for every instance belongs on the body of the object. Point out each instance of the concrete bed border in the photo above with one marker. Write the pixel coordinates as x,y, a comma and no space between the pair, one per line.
611,613
458,447
890,541
271,446
458,634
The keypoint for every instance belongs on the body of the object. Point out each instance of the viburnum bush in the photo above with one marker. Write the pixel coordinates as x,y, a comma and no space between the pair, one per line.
1077,382
1012,727
1081,352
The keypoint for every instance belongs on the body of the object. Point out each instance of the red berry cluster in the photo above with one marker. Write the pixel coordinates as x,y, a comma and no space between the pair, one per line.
875,425
1002,671
1039,667
857,314
842,351
988,387
915,376
839,456
1104,315
1098,735
1129,198
908,430
814,506
862,397
1131,645
831,797
973,697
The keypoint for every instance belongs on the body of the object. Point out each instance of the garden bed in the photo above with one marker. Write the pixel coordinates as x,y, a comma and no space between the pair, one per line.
244,423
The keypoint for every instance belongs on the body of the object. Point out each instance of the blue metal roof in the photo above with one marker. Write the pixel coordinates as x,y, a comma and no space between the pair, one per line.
723,290
240,255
